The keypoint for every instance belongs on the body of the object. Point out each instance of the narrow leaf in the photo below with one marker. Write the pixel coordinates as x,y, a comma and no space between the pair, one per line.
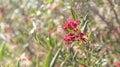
103,39
73,14
90,36
52,64
1,50
47,42
48,59
84,29
82,23
86,17
18,64
83,20
37,62
75,56
50,40
36,36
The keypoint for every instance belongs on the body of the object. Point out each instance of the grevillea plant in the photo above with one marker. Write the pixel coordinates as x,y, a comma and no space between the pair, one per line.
74,33
80,52
76,50
77,38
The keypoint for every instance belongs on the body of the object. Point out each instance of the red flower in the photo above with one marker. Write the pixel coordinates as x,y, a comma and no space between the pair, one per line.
83,39
64,28
76,36
69,38
71,25
75,23
81,34
76,29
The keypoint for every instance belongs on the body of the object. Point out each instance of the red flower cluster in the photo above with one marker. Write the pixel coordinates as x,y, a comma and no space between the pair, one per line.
71,25
77,36
69,38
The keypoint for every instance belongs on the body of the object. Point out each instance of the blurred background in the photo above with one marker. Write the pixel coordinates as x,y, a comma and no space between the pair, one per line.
25,26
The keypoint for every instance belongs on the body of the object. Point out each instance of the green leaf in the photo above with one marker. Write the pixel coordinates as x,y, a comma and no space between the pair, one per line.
83,21
81,61
1,50
73,14
71,50
37,39
18,64
52,64
47,41
33,11
103,39
36,36
84,28
86,17
74,59
50,40
48,59
1,56
37,62
90,36
69,30
41,43
75,56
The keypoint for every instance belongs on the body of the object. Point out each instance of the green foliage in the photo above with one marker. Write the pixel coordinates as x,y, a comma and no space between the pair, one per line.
54,59
73,14
84,23
2,50
37,61
48,59
18,64
90,36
